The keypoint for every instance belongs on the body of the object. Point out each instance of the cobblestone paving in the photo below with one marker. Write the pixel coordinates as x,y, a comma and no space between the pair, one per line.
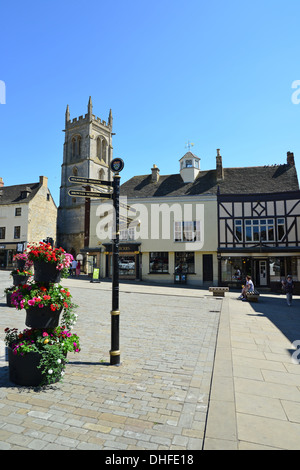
158,397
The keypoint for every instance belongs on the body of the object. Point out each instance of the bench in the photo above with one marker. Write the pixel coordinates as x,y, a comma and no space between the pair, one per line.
252,296
218,291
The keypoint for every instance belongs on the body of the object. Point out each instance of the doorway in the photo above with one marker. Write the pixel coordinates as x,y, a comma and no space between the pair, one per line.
262,272
207,268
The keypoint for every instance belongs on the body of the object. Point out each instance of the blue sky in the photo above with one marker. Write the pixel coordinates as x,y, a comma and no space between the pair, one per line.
216,73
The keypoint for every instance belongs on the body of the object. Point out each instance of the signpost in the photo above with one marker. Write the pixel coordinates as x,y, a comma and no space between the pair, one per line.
116,166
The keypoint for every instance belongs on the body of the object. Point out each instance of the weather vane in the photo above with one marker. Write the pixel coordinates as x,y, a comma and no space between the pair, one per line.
189,145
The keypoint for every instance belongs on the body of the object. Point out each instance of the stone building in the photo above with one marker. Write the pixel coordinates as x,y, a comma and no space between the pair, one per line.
87,153
28,214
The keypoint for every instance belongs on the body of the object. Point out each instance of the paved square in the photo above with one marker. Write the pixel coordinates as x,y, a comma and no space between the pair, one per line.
156,399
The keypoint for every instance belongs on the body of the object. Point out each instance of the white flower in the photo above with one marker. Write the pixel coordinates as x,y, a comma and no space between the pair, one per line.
50,371
58,361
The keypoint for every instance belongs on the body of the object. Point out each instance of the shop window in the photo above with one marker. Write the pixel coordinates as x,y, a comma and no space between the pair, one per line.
187,231
18,211
2,233
17,232
185,262
159,262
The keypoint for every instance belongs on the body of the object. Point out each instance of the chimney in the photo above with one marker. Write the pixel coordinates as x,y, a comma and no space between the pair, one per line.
43,181
155,174
1,182
290,159
219,166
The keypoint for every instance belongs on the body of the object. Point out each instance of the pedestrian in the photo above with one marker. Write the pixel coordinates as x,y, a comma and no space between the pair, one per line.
78,268
248,287
288,287
74,265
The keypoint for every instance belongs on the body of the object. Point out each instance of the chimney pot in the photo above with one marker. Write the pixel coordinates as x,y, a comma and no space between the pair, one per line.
1,182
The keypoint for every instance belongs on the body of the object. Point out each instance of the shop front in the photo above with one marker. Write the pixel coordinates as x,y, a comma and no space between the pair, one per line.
7,252
266,271
129,260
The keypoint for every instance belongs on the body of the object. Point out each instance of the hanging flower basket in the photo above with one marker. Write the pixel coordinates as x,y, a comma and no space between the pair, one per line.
46,272
45,317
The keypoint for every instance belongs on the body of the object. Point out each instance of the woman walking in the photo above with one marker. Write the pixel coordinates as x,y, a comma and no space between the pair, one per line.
288,287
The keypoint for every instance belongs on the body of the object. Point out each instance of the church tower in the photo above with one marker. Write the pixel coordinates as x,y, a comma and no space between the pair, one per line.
87,153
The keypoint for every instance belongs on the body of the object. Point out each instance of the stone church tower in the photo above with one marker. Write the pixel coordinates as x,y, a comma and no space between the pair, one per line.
87,153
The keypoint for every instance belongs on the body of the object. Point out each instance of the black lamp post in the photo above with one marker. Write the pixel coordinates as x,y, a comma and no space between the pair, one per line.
117,165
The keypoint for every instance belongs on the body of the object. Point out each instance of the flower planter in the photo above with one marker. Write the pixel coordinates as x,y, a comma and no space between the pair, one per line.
8,299
19,279
46,272
23,370
37,317
21,264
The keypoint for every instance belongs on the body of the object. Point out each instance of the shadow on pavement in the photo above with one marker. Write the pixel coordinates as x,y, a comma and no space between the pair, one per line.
285,318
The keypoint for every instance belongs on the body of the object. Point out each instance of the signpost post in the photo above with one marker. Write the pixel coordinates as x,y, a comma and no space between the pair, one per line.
116,166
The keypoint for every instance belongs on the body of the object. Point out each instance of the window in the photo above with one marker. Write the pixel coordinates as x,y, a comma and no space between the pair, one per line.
159,262
280,229
18,211
238,230
17,232
185,262
187,231
2,233
189,163
257,230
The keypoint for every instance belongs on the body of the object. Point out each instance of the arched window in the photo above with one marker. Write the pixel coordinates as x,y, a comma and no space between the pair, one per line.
73,146
76,146
101,174
99,148
104,150
79,145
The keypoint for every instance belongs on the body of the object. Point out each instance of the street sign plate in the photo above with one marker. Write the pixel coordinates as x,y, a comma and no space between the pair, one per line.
73,192
80,179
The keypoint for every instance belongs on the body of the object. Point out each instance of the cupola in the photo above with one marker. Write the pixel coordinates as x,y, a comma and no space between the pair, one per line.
189,167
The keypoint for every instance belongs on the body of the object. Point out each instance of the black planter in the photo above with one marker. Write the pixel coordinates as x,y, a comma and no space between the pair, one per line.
37,317
46,272
8,299
23,370
17,279
21,264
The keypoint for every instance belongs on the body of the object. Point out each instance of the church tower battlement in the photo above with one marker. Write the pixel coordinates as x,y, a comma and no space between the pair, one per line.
87,152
